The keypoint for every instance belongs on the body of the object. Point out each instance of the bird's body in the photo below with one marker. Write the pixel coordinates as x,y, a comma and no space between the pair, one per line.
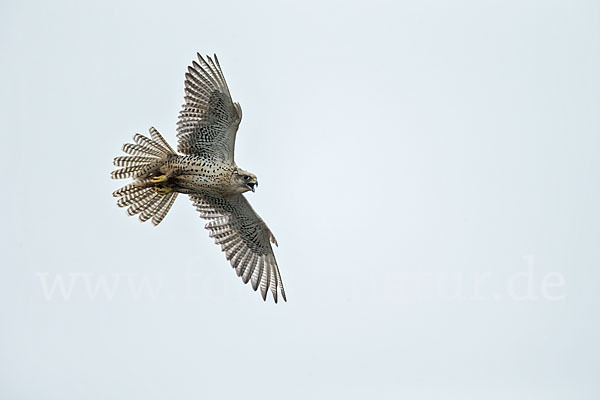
195,175
206,171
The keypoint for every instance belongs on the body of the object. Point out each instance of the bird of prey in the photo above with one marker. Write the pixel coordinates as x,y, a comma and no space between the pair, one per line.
205,170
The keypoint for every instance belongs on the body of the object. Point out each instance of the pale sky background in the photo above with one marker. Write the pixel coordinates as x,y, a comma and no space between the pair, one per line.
404,149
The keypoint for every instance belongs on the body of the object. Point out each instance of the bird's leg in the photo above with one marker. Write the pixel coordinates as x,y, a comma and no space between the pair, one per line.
162,189
159,179
160,184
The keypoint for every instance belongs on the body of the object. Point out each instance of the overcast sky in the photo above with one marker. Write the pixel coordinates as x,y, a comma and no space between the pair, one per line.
429,168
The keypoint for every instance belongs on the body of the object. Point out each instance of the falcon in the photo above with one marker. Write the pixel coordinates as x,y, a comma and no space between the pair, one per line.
203,168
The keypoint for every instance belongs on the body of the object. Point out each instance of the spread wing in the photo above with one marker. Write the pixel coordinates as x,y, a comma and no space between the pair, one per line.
209,119
245,239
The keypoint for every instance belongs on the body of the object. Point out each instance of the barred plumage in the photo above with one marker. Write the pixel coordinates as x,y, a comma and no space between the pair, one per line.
245,240
148,156
164,208
132,172
160,140
206,129
128,161
137,149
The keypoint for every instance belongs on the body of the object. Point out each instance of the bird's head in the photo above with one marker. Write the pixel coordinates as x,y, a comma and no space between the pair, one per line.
244,180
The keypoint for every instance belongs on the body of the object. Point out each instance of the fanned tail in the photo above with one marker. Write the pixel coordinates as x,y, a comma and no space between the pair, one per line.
144,196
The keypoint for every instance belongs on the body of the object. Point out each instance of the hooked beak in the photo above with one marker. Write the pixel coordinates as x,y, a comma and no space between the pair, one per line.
252,185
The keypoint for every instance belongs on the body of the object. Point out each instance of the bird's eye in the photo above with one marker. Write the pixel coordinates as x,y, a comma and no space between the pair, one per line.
246,177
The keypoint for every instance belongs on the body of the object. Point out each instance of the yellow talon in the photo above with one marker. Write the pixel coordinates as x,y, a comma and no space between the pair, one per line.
159,179
162,189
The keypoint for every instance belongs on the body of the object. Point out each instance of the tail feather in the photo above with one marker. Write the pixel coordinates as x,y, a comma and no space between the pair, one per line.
147,156
164,209
142,202
132,187
149,145
159,139
139,150
134,197
130,161
135,171
152,209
